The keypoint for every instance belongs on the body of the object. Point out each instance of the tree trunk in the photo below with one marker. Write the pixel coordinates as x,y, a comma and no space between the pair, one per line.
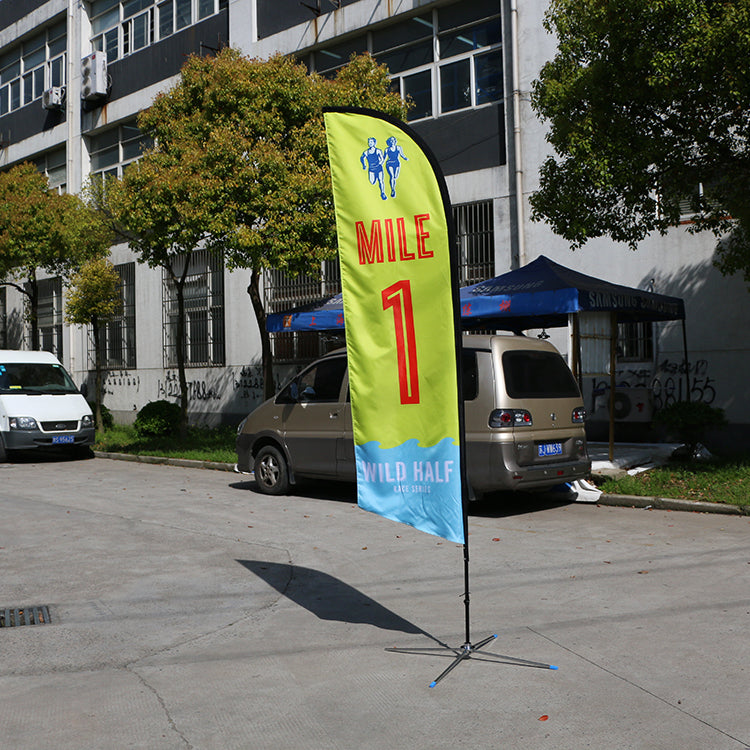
33,294
98,369
180,292
269,387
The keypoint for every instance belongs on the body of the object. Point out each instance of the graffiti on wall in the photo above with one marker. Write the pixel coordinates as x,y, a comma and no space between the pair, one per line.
198,389
116,381
244,384
666,381
669,383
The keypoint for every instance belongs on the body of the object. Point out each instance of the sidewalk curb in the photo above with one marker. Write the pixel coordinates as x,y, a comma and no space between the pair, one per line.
621,501
669,503
184,462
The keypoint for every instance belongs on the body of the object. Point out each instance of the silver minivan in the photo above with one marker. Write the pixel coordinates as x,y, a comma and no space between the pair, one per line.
524,420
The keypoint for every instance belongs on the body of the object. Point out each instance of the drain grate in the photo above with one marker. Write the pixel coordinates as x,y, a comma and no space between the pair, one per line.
10,618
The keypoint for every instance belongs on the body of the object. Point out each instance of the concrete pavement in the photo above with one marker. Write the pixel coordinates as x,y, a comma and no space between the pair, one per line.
189,611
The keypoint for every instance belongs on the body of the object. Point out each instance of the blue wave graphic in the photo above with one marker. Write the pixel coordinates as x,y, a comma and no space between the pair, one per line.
416,485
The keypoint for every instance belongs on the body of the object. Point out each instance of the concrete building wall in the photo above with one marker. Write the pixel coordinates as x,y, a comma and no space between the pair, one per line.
489,153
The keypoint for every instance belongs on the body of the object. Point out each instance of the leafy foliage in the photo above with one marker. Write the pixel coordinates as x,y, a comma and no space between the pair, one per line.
93,298
647,100
41,229
157,419
107,420
240,167
690,420
94,293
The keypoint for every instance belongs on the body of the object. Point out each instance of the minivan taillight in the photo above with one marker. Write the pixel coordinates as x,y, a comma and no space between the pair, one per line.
579,415
510,418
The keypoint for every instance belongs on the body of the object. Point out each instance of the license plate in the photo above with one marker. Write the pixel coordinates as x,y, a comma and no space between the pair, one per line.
550,449
57,439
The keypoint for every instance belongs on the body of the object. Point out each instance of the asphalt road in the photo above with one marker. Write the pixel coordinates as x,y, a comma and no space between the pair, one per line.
188,611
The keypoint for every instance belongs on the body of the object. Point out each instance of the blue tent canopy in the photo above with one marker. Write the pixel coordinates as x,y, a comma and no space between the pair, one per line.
326,315
541,294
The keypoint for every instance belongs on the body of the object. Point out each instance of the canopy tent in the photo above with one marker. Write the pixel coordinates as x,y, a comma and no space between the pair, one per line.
326,315
541,294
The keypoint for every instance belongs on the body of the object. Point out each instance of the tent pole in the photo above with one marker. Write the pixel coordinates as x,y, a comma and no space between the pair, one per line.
687,364
612,382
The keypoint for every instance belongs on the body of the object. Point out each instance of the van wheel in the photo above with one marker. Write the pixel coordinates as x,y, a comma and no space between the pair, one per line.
3,452
271,472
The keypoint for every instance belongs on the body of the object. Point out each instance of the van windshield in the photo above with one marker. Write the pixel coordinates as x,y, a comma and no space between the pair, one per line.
532,374
35,377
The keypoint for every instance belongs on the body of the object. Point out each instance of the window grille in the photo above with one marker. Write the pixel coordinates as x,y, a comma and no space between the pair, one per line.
49,316
3,318
117,335
283,292
204,311
635,342
476,241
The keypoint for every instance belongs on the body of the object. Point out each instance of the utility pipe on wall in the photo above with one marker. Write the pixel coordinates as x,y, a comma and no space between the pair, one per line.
520,234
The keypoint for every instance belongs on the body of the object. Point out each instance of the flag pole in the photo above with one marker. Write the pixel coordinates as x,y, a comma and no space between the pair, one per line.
374,251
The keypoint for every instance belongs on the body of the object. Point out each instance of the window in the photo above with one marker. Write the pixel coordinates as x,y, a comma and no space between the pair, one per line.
31,67
50,316
444,60
635,342
476,241
282,292
533,374
3,318
117,336
204,312
52,163
122,27
320,383
112,150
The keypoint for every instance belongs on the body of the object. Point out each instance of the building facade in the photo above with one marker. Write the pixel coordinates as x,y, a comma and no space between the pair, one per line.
75,74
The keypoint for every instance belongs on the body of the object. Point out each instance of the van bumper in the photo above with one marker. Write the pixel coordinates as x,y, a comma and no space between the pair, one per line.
493,467
30,439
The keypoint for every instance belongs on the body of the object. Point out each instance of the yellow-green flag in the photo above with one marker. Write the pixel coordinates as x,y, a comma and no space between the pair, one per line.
395,252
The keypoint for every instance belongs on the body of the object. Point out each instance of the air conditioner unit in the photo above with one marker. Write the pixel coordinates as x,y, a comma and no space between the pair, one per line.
94,76
631,405
53,98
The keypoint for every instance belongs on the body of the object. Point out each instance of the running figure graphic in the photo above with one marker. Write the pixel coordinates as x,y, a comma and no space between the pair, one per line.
372,159
393,155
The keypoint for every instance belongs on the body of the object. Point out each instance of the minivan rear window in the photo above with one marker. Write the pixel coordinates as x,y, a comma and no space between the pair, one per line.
532,374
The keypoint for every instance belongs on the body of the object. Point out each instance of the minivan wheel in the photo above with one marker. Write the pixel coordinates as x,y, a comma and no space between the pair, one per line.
271,472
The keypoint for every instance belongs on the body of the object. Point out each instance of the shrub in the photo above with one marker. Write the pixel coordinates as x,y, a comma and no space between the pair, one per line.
157,419
108,420
690,420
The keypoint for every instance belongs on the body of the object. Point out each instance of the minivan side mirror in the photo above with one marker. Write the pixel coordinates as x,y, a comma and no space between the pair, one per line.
288,395
308,394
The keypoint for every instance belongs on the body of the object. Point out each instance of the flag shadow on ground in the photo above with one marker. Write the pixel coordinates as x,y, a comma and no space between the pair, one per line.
327,597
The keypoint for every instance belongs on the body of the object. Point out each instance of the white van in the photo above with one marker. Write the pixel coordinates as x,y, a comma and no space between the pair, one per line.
40,406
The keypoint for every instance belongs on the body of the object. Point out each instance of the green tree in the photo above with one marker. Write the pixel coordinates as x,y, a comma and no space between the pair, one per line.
646,102
41,229
95,296
240,167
